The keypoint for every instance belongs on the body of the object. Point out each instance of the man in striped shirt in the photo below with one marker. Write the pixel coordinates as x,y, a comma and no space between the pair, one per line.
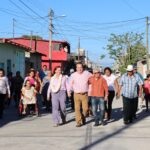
129,83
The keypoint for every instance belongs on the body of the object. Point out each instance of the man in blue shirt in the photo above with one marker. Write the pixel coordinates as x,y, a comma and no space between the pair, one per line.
129,84
43,72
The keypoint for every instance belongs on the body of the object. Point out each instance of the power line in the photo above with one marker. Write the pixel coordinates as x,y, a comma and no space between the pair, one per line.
105,23
132,8
37,5
94,29
60,28
23,11
85,37
32,10
7,12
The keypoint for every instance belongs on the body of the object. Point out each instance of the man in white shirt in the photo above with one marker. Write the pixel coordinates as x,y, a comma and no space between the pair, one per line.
4,89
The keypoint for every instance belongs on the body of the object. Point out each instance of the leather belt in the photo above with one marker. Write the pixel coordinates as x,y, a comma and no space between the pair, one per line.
82,93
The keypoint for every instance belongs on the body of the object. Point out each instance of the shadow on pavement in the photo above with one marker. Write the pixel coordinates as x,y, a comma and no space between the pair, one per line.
116,115
142,115
11,114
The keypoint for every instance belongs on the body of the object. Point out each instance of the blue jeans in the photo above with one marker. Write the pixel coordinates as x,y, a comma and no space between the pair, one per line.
98,108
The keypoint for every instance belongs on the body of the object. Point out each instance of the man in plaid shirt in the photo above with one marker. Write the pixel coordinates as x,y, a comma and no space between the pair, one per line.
129,84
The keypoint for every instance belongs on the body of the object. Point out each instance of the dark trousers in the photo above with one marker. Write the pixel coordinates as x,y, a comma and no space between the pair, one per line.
2,100
72,100
135,105
39,103
17,97
128,108
147,99
108,104
47,102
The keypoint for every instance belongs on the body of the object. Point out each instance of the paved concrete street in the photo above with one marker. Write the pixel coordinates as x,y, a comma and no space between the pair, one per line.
38,133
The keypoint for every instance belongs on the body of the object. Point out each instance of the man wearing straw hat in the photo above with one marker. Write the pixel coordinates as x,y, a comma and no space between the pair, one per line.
129,84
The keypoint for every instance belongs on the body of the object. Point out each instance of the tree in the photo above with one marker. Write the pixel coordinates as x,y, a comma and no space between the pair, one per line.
34,37
102,57
126,49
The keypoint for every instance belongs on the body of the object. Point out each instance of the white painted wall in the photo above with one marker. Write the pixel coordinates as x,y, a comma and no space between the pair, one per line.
16,55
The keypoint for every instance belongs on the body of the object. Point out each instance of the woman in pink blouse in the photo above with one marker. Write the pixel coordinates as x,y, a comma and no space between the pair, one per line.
147,90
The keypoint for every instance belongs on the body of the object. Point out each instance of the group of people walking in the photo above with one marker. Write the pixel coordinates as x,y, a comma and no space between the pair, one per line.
91,93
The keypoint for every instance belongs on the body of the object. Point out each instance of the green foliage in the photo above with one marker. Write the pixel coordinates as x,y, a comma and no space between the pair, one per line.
102,56
126,49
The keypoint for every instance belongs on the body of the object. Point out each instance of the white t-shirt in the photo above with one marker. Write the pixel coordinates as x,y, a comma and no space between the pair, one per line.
110,81
4,86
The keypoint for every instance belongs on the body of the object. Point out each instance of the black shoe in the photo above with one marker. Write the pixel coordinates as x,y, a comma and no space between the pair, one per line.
103,124
64,121
134,117
130,121
39,115
126,122
96,124
83,121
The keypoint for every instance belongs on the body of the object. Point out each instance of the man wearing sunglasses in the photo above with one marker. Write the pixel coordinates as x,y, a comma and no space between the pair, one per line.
99,94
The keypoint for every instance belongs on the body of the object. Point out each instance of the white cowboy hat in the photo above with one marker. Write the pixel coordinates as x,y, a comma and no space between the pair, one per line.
130,68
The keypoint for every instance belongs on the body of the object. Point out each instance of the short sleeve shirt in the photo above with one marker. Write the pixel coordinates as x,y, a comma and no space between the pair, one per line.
110,81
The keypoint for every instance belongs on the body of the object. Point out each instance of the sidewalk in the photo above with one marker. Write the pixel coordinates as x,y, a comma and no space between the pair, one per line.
38,133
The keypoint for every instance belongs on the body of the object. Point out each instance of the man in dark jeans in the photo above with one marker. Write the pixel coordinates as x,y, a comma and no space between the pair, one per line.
99,94
128,105
129,84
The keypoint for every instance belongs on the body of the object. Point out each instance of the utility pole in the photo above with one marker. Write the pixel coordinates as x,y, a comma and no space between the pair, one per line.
78,48
14,28
147,41
31,33
51,15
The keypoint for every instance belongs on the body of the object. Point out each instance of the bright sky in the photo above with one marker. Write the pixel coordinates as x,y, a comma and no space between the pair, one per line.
91,20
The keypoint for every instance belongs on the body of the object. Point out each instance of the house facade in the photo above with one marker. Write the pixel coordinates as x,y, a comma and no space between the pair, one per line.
12,57
142,67
60,50
17,57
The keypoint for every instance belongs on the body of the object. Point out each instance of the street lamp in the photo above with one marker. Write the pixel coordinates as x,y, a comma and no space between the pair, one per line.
51,17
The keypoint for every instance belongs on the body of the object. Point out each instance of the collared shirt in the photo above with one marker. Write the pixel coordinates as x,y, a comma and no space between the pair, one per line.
130,85
79,82
68,84
99,87
43,74
4,86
